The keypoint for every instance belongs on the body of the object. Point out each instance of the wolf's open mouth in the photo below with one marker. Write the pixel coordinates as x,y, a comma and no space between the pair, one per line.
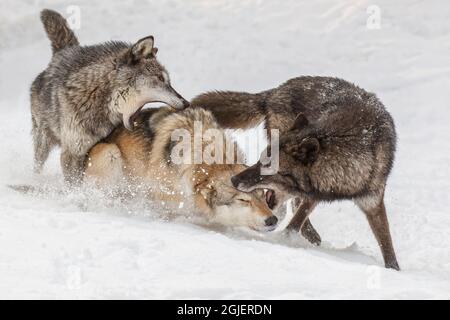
271,199
129,123
135,115
130,118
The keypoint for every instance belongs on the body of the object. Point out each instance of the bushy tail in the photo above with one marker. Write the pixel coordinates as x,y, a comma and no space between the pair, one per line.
58,30
234,110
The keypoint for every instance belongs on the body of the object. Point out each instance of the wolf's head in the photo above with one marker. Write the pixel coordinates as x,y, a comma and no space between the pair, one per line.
229,206
142,79
299,149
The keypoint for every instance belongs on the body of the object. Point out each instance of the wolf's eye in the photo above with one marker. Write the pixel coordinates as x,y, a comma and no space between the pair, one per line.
160,78
243,200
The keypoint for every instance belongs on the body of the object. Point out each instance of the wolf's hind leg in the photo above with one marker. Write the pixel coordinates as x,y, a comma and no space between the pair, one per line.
373,207
43,143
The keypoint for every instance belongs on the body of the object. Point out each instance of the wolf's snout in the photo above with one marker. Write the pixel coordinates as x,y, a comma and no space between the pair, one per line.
271,221
181,103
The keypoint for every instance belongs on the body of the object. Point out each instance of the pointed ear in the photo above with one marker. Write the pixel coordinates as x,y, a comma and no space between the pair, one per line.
143,48
300,122
306,151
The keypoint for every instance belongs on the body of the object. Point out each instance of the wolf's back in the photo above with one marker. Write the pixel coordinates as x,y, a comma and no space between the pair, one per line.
234,110
58,30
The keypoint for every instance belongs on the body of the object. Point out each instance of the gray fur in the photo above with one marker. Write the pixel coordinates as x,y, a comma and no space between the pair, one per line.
86,91
340,146
57,30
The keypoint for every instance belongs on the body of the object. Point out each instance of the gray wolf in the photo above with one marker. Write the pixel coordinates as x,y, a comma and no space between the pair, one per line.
86,91
142,158
340,146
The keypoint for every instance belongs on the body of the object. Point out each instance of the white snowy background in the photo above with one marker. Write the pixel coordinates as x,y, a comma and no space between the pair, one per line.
83,246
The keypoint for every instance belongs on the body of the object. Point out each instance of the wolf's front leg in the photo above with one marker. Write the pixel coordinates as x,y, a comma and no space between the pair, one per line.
72,166
301,222
308,231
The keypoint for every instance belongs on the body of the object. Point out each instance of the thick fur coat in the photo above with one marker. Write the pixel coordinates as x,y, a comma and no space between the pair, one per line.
86,91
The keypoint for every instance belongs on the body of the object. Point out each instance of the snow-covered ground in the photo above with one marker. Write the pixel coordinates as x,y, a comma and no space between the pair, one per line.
84,246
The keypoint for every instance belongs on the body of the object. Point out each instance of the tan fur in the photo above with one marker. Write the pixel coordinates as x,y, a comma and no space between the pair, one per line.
105,164
143,160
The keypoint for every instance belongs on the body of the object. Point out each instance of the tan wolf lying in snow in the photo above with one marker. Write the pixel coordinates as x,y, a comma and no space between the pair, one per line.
142,157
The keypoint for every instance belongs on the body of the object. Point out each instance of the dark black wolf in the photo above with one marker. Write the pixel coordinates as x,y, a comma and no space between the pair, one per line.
340,146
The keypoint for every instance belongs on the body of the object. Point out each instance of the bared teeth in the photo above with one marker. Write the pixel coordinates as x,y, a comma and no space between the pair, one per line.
270,198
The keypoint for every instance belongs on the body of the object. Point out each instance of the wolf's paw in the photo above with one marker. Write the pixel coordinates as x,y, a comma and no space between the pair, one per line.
313,237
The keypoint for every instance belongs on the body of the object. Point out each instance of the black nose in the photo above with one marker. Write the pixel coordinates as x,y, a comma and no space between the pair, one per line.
235,181
271,221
